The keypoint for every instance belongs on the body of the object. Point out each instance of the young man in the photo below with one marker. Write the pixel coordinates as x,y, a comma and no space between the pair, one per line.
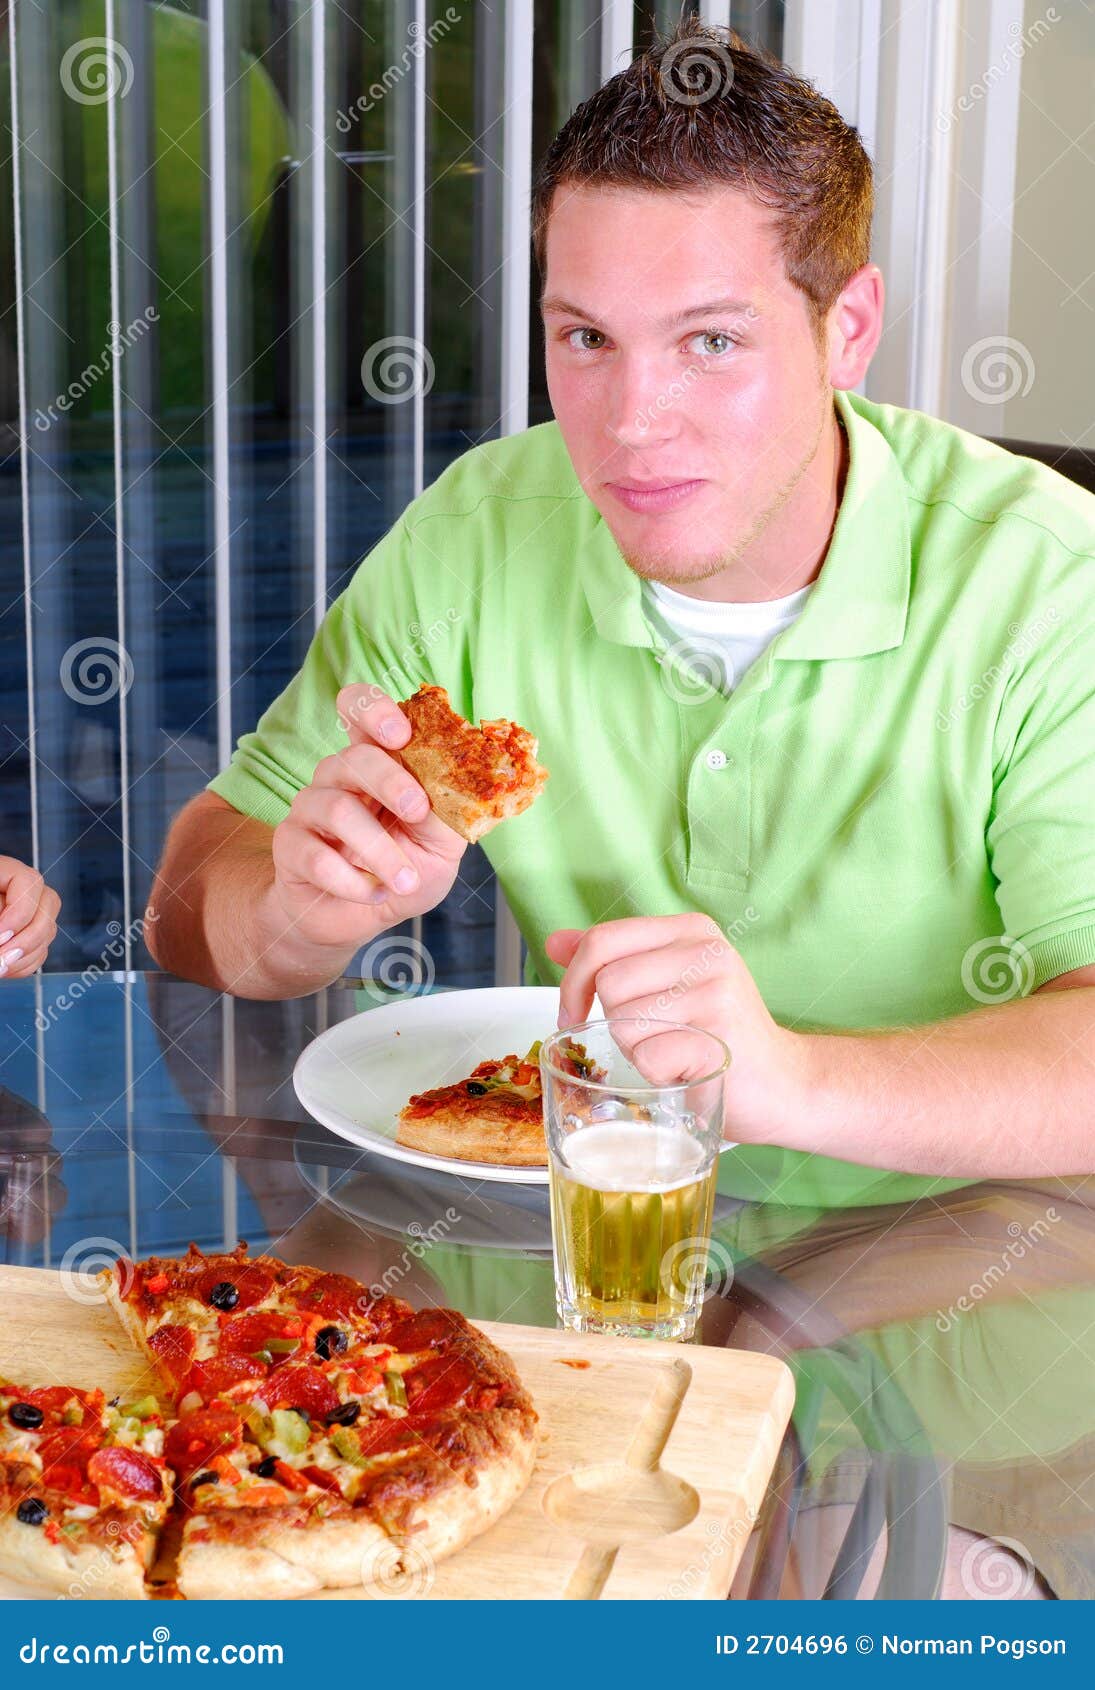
815,681
813,677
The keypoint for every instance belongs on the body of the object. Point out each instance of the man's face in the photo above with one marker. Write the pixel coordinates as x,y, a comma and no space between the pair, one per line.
731,400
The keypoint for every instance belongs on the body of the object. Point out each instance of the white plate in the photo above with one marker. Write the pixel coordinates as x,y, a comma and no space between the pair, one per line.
356,1077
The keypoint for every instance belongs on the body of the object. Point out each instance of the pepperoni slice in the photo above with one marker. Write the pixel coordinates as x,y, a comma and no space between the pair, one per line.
191,1441
297,1386
173,1346
439,1383
382,1434
252,1283
54,1399
125,1471
335,1295
429,1330
69,1446
247,1332
210,1378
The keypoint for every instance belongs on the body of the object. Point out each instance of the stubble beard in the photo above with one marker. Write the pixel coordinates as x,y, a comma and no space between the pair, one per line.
677,570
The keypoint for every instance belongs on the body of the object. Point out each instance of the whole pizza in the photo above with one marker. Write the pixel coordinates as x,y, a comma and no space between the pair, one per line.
299,1433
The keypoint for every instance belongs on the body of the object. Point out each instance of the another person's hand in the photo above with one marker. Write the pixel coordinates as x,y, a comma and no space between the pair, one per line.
682,968
361,850
28,919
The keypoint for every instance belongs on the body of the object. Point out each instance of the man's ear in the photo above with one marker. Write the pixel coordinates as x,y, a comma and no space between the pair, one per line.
854,326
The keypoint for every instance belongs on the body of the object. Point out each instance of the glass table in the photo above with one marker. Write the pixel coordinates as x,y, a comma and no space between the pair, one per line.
941,1350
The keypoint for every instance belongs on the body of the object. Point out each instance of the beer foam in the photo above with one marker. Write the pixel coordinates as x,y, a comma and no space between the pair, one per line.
627,1156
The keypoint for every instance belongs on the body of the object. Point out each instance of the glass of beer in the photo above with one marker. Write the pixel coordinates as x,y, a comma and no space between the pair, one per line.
632,1169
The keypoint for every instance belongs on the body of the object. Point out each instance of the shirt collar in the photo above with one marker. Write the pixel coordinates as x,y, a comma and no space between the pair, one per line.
860,599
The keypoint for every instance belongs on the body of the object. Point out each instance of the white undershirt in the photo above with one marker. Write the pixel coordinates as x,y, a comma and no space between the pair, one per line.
721,640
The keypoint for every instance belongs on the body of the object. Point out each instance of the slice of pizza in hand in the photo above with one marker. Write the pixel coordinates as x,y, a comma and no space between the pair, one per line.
84,1490
474,777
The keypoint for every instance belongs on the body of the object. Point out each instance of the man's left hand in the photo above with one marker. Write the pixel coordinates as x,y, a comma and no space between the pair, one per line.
682,968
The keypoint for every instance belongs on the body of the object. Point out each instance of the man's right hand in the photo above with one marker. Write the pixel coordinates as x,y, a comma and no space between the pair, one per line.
361,850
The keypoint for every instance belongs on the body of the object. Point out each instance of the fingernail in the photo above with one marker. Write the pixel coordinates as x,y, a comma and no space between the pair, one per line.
4,937
12,956
387,732
379,897
406,880
410,804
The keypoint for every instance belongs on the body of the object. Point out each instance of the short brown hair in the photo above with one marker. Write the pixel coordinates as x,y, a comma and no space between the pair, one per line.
700,108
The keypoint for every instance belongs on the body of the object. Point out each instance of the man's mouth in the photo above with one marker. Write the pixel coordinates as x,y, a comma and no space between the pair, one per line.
654,495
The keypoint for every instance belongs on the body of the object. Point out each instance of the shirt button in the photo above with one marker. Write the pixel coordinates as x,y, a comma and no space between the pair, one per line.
716,759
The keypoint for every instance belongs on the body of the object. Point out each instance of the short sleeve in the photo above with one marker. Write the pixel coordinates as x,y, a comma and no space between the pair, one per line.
1041,836
372,633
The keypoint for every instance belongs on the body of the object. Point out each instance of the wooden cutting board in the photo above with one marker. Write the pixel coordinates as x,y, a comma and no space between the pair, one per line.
653,1463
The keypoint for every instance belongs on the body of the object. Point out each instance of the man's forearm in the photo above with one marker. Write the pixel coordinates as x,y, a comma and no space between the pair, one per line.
213,916
1006,1092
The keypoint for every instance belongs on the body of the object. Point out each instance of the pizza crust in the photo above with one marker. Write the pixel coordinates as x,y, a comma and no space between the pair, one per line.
496,1129
271,1558
454,1516
132,1325
88,1570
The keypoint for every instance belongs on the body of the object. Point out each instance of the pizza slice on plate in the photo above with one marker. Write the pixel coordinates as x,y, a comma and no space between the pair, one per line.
475,777
495,1115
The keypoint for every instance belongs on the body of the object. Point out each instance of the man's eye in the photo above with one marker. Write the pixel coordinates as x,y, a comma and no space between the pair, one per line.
716,344
584,347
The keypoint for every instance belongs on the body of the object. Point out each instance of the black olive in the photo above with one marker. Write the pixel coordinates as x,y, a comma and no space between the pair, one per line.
344,1415
330,1338
303,1412
476,1088
224,1295
25,1414
265,1468
209,1478
32,1511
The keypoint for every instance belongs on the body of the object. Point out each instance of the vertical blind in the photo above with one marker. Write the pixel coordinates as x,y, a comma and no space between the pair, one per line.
265,271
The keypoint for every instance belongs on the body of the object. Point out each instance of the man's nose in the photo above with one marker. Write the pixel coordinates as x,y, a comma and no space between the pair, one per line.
644,408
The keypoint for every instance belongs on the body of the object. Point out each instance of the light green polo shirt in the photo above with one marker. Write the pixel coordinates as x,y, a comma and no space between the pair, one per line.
903,777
